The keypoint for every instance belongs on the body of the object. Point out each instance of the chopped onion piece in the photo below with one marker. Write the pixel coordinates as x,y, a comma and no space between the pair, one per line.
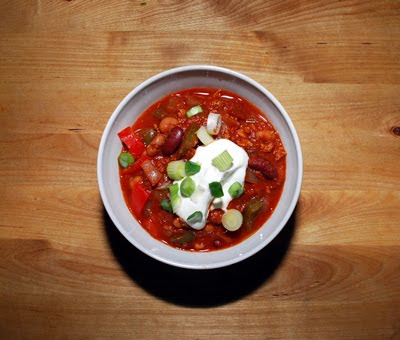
204,136
151,172
214,123
251,177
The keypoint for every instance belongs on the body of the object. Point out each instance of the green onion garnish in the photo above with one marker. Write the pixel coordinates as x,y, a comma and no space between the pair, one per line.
191,168
204,136
216,189
174,189
166,205
175,198
125,159
194,111
176,170
236,190
232,220
195,217
223,161
176,202
187,187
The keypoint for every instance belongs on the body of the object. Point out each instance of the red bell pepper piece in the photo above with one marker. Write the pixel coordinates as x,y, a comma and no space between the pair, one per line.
132,141
125,132
135,167
139,198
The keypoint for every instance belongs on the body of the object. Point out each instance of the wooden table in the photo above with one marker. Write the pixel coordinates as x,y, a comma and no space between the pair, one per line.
65,270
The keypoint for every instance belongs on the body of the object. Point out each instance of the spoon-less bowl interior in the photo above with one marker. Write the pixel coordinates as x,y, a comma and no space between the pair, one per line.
151,91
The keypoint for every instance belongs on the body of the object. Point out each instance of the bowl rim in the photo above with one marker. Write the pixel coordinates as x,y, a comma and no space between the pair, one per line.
211,68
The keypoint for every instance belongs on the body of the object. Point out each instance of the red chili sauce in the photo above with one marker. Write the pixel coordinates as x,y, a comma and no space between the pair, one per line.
145,182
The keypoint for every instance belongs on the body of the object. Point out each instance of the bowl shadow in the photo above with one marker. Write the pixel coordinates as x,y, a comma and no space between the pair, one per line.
199,288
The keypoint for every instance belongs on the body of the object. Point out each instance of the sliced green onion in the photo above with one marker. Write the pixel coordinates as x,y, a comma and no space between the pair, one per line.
204,136
214,123
176,202
236,190
126,159
194,111
232,220
176,170
191,168
175,198
223,161
187,187
166,205
195,217
216,189
174,189
251,177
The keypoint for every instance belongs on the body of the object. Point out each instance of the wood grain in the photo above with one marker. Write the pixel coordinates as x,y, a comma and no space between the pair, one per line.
338,282
167,15
66,272
110,56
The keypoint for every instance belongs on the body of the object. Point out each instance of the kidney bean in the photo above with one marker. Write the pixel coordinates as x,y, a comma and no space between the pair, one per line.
264,166
173,141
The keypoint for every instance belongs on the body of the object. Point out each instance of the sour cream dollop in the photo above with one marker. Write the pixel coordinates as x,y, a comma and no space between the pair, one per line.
201,199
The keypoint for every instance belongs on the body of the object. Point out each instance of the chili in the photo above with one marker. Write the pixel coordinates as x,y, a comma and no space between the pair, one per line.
145,183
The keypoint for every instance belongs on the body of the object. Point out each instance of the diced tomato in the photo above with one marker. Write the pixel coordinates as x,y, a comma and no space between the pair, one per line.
138,198
132,141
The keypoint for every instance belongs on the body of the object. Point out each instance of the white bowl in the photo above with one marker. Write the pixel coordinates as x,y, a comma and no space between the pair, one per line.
151,91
